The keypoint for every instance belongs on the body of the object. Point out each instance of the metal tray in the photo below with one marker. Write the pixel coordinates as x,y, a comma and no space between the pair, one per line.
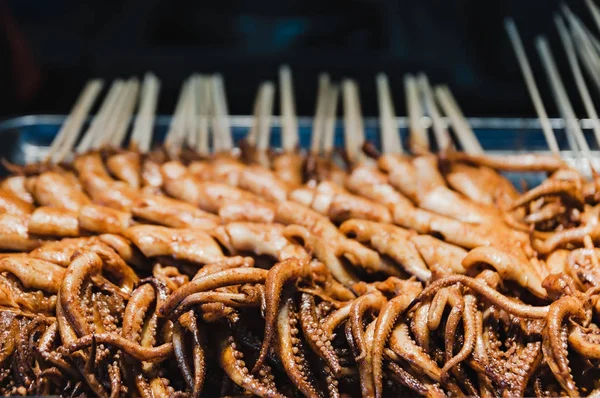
26,139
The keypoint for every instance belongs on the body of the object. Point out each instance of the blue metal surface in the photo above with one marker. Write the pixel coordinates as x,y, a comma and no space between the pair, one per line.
25,139
22,137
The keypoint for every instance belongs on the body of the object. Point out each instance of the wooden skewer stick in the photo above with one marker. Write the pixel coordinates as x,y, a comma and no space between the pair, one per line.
105,111
594,11
176,134
357,112
289,122
517,45
390,136
107,128
578,25
592,38
466,137
107,131
191,114
330,120
562,100
65,139
141,136
252,135
352,136
579,80
320,111
440,131
253,131
127,110
203,88
585,45
418,139
223,140
265,114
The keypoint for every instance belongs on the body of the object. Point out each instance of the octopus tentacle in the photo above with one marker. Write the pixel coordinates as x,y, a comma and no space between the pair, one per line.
225,264
454,318
383,327
314,334
369,302
230,277
290,350
278,276
470,330
406,379
521,367
438,305
567,188
555,340
403,345
480,287
243,299
199,356
180,352
585,341
82,268
419,328
232,362
45,345
148,354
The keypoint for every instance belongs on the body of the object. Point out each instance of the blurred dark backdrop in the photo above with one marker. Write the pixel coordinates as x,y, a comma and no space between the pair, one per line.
49,49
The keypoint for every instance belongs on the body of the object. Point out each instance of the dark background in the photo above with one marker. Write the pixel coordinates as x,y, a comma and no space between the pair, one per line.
48,49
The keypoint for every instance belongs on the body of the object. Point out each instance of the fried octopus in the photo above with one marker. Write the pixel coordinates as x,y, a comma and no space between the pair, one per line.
140,275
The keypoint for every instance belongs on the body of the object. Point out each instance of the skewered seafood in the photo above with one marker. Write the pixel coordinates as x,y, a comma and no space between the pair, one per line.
174,273
444,312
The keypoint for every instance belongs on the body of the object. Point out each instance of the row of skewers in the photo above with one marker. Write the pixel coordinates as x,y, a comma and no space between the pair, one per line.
199,269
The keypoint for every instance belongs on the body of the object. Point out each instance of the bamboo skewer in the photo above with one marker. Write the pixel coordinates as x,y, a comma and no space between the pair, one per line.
579,80
191,113
176,135
259,136
141,136
594,11
203,89
517,45
265,114
587,47
109,124
574,133
320,111
330,120
63,143
114,120
463,131
253,131
289,123
418,139
440,131
107,108
223,140
353,136
125,114
390,136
